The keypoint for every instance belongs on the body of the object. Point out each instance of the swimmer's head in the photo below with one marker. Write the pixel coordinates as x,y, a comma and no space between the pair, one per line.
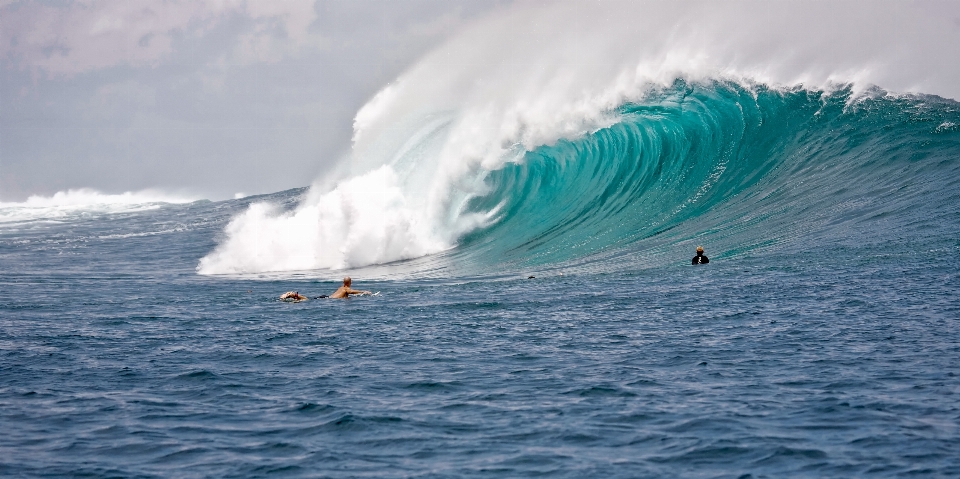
699,249
347,281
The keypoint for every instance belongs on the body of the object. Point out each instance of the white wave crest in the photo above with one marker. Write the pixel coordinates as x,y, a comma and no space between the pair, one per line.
535,74
75,203
365,220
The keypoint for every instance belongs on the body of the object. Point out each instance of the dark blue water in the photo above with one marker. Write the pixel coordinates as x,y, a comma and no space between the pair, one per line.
119,361
821,341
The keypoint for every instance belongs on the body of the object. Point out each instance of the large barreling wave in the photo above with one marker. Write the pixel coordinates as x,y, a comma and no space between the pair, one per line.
539,140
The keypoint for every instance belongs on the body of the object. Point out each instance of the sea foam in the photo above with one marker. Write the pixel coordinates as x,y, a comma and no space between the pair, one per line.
75,203
530,76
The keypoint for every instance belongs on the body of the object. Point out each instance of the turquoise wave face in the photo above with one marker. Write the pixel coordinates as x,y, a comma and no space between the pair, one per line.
741,170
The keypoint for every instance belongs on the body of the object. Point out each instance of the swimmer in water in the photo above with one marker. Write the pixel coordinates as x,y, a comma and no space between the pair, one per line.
700,258
345,291
294,296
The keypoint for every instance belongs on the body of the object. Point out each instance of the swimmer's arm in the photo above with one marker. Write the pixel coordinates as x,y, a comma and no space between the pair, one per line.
357,291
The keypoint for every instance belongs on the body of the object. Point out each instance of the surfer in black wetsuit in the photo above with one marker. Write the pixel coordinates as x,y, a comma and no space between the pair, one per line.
700,258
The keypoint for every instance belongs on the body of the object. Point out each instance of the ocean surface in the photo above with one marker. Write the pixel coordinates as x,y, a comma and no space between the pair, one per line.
822,340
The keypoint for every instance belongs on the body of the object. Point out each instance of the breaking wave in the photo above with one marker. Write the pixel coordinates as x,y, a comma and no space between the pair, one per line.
539,138
83,202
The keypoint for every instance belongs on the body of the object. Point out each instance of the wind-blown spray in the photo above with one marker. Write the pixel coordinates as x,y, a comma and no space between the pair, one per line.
660,110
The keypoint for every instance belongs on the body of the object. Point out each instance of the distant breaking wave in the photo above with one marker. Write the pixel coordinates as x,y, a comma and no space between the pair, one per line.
588,137
80,202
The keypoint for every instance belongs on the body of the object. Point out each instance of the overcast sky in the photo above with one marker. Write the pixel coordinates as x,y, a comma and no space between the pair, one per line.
213,98
204,97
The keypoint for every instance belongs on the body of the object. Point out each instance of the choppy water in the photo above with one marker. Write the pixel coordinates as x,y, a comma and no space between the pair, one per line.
119,361
821,340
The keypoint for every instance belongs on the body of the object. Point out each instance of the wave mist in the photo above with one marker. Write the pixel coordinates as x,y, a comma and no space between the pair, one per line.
578,88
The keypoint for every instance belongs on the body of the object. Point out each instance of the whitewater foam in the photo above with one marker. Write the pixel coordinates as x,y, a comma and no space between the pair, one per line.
365,220
532,76
75,203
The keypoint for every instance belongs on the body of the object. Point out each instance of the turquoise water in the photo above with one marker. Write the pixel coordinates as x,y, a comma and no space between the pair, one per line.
821,340
737,168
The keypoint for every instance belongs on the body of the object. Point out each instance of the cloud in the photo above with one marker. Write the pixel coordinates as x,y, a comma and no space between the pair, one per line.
89,35
203,95
278,27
